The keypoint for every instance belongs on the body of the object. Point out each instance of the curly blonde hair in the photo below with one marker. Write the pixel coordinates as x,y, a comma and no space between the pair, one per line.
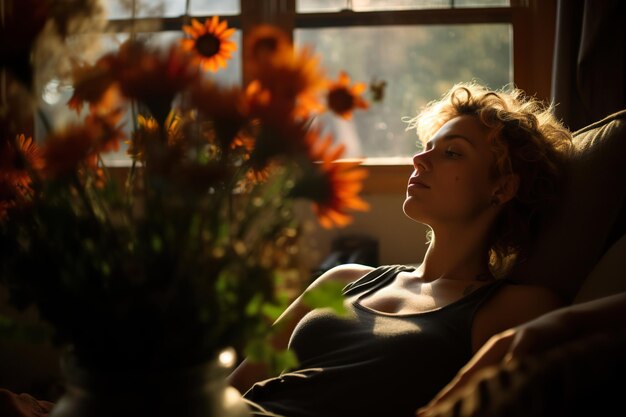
527,140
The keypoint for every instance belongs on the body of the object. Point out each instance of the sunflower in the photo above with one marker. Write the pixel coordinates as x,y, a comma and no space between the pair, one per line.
148,131
18,161
343,99
292,84
264,45
332,185
253,177
30,151
210,42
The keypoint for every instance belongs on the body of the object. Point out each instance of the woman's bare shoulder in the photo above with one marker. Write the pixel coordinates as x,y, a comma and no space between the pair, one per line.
525,291
511,306
524,302
344,274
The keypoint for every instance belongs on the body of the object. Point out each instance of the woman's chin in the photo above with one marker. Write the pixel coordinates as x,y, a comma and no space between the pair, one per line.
414,214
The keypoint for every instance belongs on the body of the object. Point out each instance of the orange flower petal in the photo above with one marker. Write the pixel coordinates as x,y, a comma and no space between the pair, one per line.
197,26
221,27
359,88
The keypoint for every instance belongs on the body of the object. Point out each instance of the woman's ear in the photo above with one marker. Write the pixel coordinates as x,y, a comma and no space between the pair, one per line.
506,188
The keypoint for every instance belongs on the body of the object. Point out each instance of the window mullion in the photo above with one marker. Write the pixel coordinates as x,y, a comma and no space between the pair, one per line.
276,12
403,17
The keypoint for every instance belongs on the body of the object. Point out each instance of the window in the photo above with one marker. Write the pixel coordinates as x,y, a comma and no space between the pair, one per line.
419,48
416,63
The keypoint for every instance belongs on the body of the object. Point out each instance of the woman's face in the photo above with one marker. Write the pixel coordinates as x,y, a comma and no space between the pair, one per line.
451,182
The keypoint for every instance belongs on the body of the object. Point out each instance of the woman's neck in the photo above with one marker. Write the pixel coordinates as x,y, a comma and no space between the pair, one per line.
459,255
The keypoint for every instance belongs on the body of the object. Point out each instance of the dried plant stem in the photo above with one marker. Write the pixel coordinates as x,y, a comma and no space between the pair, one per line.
44,119
83,196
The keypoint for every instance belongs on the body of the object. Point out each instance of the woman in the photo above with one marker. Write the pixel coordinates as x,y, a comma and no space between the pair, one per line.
489,168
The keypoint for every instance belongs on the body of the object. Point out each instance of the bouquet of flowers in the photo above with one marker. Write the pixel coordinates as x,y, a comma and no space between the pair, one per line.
185,255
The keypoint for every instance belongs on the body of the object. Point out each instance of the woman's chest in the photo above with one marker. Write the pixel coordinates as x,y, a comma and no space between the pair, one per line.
401,297
322,337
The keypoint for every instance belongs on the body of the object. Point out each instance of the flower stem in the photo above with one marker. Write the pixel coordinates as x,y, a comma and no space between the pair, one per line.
44,119
83,196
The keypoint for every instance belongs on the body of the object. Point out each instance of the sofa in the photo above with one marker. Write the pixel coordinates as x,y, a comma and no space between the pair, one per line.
581,254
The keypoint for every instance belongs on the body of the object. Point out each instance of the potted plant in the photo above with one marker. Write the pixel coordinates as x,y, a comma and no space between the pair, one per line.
147,279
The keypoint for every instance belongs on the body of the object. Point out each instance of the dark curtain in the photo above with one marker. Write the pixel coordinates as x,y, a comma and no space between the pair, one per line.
589,76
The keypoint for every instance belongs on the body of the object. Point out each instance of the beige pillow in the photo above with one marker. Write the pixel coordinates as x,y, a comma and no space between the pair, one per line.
590,211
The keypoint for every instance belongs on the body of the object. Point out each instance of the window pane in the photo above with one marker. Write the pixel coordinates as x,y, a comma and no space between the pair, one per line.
311,6
122,9
418,63
482,3
211,7
56,93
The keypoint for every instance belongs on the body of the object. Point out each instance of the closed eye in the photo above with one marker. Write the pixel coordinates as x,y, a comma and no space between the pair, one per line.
452,154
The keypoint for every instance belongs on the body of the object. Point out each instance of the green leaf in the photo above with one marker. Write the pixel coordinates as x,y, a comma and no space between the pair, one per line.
326,295
34,333
276,360
157,244
106,268
254,305
272,311
257,351
223,232
284,359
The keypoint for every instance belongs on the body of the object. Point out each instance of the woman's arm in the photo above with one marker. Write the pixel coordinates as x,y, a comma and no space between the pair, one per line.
248,372
538,335
22,405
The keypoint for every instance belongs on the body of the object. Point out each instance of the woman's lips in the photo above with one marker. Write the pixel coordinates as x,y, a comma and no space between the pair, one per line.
416,183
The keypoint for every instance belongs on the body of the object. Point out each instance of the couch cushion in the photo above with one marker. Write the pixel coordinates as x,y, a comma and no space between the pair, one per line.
607,277
590,211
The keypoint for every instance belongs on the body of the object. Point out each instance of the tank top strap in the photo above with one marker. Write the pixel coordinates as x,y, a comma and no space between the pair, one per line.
488,289
477,298
379,276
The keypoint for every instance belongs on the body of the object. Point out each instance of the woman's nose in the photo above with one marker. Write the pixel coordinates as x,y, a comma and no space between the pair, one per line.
420,161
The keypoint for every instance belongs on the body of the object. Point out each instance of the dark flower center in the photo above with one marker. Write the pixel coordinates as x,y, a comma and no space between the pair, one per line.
315,186
340,100
265,46
208,45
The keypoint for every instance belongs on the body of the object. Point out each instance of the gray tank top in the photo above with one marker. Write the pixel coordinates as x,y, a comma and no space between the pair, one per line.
372,363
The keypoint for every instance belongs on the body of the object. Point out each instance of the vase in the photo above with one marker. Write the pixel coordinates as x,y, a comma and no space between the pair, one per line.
199,391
